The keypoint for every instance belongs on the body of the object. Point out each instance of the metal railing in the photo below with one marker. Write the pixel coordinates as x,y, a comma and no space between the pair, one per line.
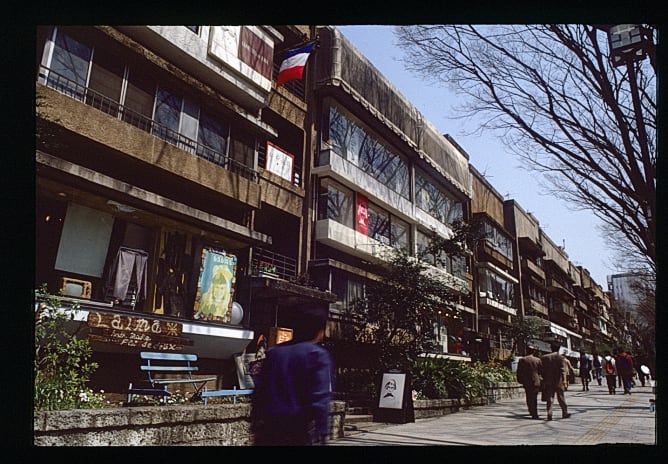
265,262
95,99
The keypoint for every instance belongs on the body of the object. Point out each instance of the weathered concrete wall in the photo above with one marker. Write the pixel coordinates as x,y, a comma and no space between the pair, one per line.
184,425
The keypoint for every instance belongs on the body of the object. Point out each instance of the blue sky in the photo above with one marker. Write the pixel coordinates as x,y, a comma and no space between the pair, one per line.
576,229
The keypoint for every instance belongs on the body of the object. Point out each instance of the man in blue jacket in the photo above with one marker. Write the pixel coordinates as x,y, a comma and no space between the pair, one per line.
293,390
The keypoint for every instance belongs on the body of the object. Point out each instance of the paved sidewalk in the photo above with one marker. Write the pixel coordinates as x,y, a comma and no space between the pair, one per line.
597,418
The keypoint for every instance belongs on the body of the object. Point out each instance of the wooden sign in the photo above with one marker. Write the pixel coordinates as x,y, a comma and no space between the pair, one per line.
279,335
140,332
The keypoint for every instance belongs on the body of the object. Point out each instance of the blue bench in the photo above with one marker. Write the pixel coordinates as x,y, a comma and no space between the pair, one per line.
168,363
233,393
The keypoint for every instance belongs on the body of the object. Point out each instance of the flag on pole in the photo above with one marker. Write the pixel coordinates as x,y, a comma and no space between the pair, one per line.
292,67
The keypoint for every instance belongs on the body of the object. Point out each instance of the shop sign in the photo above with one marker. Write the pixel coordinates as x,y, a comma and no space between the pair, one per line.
139,332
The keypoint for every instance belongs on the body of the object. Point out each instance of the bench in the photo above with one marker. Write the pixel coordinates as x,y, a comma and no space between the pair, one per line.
233,393
168,363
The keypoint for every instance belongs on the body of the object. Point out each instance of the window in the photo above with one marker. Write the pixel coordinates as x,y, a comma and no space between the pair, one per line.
69,65
335,202
106,79
349,289
499,241
400,235
84,241
194,29
496,287
433,200
379,224
357,145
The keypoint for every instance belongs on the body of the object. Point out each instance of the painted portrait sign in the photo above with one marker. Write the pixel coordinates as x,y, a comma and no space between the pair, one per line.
215,287
392,391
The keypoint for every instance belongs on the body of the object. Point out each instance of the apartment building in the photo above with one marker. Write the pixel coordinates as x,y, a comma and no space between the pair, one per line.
496,270
153,186
383,178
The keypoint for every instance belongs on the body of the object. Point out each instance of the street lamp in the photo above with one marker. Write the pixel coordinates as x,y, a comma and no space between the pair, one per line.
628,43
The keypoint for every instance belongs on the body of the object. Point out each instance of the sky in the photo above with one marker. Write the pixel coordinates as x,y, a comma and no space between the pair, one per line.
577,230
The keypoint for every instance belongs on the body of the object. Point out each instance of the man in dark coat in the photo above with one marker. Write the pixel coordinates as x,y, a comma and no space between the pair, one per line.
555,380
294,388
528,369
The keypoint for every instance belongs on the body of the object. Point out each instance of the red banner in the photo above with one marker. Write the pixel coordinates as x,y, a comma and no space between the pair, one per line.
362,214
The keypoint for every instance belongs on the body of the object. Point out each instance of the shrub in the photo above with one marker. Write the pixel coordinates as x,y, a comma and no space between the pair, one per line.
443,378
62,365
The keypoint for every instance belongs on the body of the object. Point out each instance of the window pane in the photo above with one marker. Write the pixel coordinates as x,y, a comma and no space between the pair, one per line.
140,93
106,76
242,148
400,238
212,133
167,109
71,58
167,115
379,224
84,241
335,202
70,63
106,79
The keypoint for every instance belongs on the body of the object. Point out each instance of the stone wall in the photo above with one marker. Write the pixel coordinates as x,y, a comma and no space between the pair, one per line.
193,425
199,425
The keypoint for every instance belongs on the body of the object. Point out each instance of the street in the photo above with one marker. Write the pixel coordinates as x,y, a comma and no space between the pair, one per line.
597,418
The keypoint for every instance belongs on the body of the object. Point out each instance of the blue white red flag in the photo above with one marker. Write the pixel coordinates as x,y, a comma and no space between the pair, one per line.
292,67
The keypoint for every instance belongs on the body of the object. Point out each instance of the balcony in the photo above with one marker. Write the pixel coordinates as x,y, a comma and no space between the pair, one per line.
534,306
532,268
486,300
556,287
113,108
265,263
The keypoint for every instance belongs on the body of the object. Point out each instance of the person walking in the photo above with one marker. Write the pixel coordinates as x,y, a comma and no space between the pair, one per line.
585,370
290,404
555,380
597,362
528,368
610,371
624,363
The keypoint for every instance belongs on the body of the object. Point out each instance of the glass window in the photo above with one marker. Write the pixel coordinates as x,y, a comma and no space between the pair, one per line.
106,75
168,109
433,200
335,202
422,242
69,65
500,242
243,147
400,235
356,144
496,287
84,241
139,98
379,224
212,133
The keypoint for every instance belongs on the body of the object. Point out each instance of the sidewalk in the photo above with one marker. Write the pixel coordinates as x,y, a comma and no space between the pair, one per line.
597,418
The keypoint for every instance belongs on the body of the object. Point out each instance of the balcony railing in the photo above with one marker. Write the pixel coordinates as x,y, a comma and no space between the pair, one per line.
268,263
95,99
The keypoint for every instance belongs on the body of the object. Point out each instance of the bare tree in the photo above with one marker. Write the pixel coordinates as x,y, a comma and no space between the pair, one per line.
552,95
